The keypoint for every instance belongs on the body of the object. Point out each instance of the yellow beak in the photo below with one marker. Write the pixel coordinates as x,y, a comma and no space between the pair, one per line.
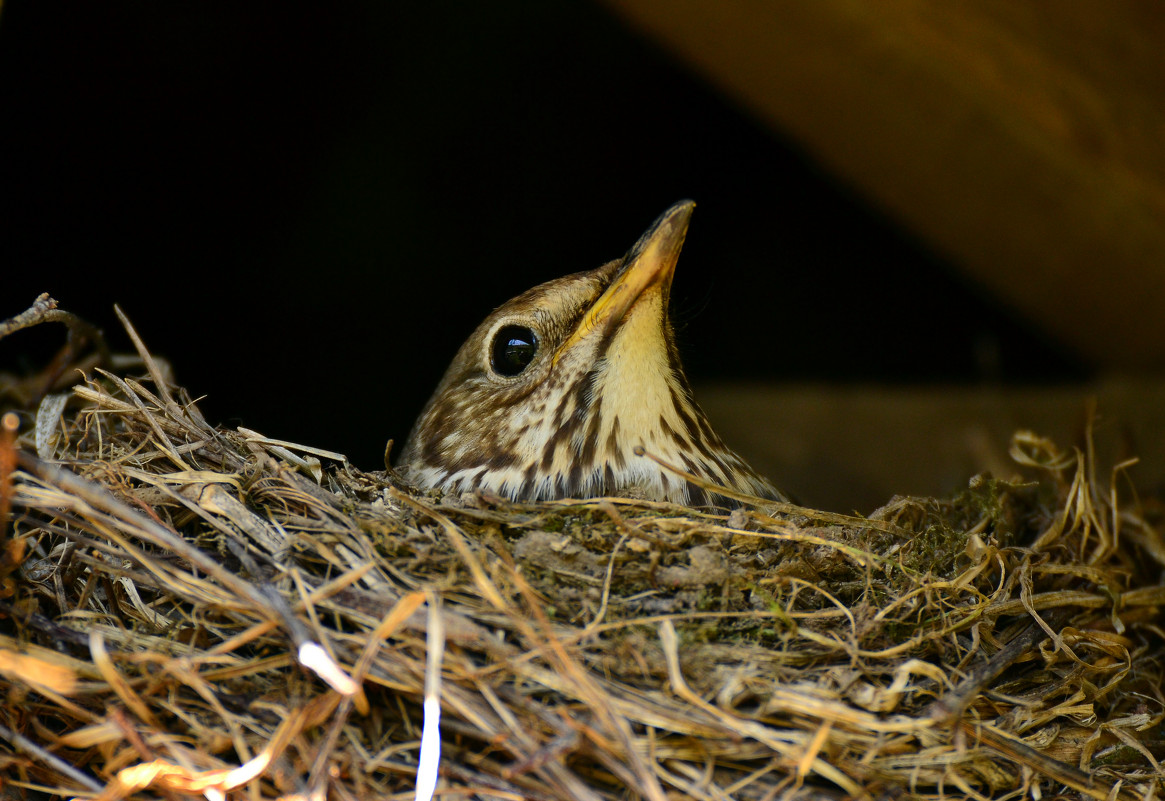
649,264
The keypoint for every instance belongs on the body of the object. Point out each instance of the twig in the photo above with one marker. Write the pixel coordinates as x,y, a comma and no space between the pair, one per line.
38,312
1019,751
950,707
22,743
44,310
9,424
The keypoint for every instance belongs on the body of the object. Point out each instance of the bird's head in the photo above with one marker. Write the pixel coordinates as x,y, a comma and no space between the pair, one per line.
556,389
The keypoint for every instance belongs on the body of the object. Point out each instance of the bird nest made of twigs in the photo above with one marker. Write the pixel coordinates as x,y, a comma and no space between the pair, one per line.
192,610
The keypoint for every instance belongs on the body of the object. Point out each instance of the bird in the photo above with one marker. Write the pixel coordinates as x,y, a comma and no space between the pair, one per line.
569,389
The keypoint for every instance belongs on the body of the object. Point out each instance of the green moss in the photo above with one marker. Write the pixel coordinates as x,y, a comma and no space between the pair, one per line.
1119,755
989,506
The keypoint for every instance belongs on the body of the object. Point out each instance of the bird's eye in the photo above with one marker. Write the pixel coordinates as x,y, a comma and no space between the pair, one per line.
513,349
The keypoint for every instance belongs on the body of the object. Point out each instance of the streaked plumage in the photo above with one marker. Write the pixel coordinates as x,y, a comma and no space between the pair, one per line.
562,415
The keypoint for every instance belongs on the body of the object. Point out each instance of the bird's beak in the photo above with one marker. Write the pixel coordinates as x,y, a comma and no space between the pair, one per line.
648,265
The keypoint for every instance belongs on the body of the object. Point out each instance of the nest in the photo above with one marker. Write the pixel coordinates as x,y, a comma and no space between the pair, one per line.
189,610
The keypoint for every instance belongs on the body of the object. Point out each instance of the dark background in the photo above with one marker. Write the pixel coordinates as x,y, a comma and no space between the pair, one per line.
306,210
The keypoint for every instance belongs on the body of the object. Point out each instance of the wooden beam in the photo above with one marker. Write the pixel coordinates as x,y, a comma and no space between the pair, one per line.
1025,140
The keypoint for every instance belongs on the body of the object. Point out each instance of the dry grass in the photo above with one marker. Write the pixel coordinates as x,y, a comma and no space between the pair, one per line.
189,610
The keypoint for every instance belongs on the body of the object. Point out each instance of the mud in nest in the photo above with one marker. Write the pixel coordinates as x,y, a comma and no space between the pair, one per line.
189,611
